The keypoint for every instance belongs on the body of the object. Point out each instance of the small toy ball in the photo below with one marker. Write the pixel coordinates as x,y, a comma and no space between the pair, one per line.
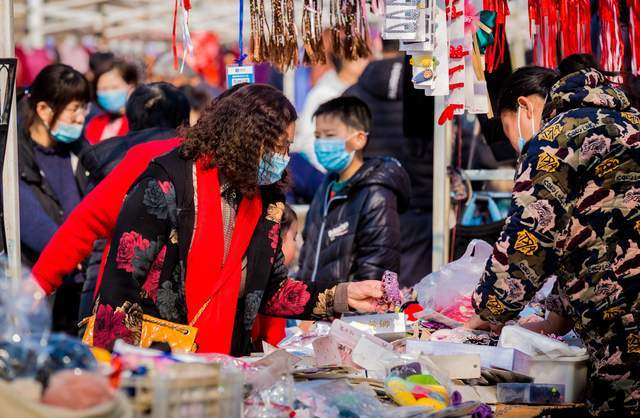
391,289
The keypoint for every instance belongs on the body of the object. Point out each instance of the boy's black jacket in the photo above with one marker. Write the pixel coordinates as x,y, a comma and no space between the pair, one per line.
360,238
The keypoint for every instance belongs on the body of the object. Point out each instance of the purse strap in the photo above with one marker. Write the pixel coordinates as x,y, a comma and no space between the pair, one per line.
200,312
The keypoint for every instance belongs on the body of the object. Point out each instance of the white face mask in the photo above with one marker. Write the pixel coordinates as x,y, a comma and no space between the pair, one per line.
521,141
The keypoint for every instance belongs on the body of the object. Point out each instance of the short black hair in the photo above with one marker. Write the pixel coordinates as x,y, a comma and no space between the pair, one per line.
157,105
57,85
351,111
577,62
198,98
128,71
390,45
526,81
98,61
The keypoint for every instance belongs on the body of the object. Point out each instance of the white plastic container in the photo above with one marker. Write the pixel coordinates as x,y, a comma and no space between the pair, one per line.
572,372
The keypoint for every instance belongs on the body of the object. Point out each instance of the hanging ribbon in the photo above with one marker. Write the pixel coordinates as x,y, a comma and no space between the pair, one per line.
242,56
187,45
575,16
634,35
544,26
494,54
611,43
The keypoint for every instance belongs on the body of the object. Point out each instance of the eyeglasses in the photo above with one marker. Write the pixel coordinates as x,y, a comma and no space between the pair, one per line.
75,111
403,14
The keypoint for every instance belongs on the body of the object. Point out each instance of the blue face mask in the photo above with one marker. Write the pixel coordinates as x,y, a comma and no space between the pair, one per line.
271,168
67,132
332,154
113,100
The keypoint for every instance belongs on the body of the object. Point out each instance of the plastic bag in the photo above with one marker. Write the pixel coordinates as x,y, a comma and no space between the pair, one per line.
25,322
534,344
449,290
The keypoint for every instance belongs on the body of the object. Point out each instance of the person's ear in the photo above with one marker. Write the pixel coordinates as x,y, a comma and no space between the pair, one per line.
45,113
526,105
360,141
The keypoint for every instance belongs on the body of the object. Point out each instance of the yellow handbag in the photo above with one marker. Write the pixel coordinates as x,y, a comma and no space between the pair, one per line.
180,337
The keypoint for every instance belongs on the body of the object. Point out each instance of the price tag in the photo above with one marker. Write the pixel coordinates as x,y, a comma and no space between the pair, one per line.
392,323
237,74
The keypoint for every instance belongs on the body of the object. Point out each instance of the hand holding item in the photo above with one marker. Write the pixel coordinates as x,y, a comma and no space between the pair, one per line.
366,296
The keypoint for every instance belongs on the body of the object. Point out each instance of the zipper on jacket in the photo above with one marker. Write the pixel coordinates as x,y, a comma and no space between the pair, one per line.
325,212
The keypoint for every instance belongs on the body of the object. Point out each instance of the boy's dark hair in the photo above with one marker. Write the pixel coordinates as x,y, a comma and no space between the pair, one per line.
157,105
288,218
351,111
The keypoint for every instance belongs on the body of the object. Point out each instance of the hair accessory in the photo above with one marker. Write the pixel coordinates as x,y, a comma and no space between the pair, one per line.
453,12
312,33
403,2
391,289
455,69
423,76
408,27
448,112
457,52
403,14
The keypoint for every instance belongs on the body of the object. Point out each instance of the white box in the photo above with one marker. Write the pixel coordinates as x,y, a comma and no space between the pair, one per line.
389,326
504,358
572,372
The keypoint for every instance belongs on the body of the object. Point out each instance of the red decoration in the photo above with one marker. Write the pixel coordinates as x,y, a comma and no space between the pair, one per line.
544,27
457,52
575,16
447,113
494,55
611,42
457,68
634,35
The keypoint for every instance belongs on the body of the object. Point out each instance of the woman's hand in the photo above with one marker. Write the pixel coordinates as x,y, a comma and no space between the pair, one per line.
475,322
366,296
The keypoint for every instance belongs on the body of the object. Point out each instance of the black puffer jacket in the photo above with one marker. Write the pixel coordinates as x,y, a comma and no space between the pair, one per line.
355,235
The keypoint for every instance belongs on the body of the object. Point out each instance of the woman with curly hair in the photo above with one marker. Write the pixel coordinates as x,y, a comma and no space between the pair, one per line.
197,241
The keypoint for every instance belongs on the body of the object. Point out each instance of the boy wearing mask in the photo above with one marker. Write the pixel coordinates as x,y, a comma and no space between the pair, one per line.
352,229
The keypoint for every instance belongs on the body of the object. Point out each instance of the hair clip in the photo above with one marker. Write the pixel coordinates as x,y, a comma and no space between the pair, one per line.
455,69
453,12
457,52
423,76
407,27
403,14
448,112
403,2
455,86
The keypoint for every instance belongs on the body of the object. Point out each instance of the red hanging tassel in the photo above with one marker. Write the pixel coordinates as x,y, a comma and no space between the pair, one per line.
611,43
575,16
544,26
174,46
634,35
494,54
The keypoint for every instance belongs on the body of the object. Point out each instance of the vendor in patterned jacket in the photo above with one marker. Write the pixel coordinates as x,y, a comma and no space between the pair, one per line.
575,214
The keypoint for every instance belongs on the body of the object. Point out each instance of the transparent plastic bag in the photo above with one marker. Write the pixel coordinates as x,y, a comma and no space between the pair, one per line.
414,380
25,323
448,291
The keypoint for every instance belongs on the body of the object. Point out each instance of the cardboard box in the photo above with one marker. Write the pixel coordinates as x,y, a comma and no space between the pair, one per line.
504,358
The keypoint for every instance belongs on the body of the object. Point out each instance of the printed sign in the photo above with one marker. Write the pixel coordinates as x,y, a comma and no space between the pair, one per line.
239,74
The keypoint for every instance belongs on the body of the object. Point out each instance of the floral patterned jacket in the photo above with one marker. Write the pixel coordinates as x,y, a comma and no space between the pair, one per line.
575,214
147,263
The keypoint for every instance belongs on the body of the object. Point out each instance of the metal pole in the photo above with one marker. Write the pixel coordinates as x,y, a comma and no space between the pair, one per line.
35,23
10,193
441,187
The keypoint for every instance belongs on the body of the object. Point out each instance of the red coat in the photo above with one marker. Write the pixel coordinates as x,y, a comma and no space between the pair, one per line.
95,217
95,127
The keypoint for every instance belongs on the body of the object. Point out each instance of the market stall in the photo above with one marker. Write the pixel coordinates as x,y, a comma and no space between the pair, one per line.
417,359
